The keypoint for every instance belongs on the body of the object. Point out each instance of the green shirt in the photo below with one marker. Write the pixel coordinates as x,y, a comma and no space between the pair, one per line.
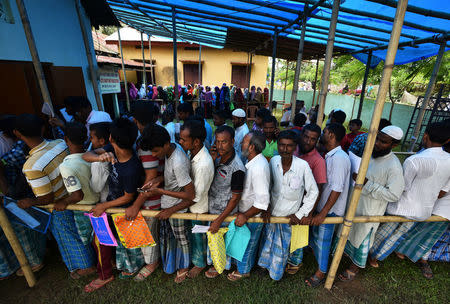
271,149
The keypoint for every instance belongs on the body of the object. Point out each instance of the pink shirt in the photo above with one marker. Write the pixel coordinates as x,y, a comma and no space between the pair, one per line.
316,163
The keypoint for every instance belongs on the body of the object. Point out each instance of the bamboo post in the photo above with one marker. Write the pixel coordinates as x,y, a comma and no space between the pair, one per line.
378,111
199,67
144,76
299,64
152,77
274,58
175,71
327,64
427,96
285,81
250,71
127,94
34,54
315,82
363,89
92,69
274,220
16,247
246,70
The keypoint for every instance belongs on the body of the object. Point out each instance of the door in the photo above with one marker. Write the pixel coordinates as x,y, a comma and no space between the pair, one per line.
239,76
190,72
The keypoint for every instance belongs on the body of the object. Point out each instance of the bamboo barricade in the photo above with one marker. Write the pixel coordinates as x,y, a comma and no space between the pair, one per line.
381,97
274,220
327,65
16,247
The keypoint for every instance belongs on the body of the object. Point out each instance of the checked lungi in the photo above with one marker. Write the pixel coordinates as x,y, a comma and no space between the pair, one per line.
388,237
274,252
84,227
129,259
421,239
321,241
174,245
199,245
152,253
74,253
249,259
441,250
359,255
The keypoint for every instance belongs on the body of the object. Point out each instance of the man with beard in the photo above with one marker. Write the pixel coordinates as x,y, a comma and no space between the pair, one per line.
384,183
241,129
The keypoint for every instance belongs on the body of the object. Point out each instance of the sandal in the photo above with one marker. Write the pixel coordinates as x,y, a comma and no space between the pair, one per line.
400,255
236,276
347,276
126,275
195,272
426,270
314,281
373,263
181,276
75,275
97,284
144,273
211,273
36,268
291,269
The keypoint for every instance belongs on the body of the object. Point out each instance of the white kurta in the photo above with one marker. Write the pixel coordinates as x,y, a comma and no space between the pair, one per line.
385,184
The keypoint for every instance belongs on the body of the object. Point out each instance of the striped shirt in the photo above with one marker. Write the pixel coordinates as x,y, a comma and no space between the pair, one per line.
42,168
151,162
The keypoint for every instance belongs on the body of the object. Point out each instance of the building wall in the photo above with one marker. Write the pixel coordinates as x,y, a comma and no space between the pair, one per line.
57,34
216,67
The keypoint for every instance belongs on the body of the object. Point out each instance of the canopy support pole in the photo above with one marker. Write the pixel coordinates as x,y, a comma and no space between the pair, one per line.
152,77
175,61
127,94
144,76
315,83
285,80
426,98
363,89
274,58
92,69
378,111
299,63
34,54
199,66
327,64
250,71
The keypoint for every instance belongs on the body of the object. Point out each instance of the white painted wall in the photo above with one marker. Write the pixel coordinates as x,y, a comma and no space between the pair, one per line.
57,34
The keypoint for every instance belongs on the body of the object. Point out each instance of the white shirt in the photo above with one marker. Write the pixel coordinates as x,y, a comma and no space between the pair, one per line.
338,179
256,185
202,173
239,134
288,188
426,174
170,127
442,206
99,179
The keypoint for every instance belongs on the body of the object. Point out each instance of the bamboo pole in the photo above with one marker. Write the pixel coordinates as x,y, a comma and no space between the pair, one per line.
363,89
144,76
16,247
274,58
285,81
378,111
298,65
250,71
175,62
34,55
92,69
327,64
127,94
199,68
315,82
426,98
152,77
274,220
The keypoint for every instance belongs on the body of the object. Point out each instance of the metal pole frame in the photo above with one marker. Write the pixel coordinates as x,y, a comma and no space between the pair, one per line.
152,76
373,131
299,63
426,98
124,71
274,58
175,61
363,89
199,66
144,76
315,82
327,64
285,81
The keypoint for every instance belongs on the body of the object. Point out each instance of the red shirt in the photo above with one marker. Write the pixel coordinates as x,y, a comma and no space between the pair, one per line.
348,139
316,163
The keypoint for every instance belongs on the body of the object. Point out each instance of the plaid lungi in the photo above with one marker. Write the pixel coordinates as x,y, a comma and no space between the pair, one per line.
152,253
174,245
249,259
129,259
33,244
74,253
359,255
441,250
84,227
275,249
388,237
421,239
199,243
321,240
296,257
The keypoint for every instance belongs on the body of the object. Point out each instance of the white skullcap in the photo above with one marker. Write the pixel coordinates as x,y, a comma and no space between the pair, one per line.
238,113
393,131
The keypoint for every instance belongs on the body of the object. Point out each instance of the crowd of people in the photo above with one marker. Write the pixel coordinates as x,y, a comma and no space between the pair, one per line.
302,173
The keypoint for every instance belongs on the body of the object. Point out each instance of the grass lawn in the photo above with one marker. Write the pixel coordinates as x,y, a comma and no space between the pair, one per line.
396,281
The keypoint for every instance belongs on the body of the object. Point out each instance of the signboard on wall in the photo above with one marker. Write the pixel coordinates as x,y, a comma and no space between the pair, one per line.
109,81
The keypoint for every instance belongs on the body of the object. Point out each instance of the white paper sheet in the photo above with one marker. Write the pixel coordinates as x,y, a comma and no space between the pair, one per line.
200,229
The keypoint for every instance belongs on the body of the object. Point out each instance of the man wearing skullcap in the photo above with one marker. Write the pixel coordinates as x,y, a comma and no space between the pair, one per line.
383,183
241,129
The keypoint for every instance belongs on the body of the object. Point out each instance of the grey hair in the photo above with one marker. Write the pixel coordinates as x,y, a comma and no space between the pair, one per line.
258,140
